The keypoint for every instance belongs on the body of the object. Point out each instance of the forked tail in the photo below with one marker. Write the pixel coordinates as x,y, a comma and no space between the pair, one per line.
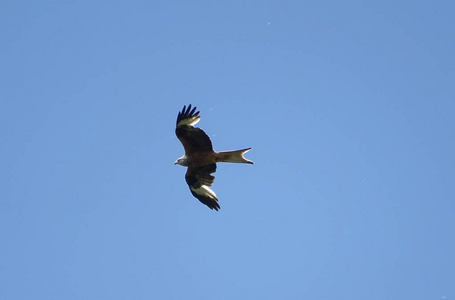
233,156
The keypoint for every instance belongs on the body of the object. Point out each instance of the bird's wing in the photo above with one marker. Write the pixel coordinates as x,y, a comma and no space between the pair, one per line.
193,139
199,179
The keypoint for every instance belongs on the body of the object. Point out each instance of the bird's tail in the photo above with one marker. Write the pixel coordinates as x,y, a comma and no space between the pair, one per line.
233,156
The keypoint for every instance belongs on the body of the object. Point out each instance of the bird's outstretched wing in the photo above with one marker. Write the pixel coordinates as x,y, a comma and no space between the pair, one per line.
193,139
199,180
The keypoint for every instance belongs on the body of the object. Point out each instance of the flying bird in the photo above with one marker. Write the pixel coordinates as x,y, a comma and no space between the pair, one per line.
200,158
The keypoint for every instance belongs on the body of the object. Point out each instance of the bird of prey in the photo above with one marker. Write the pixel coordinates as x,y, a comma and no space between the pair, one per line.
200,158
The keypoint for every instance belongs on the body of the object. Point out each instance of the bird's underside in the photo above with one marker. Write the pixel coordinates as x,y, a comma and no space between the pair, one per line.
200,158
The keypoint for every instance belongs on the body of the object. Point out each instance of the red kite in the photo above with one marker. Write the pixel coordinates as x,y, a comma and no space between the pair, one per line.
200,158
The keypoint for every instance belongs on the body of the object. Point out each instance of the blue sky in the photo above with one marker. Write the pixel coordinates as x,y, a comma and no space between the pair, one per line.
349,109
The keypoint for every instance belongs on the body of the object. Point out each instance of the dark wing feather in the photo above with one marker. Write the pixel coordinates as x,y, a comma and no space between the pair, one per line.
186,113
193,139
199,179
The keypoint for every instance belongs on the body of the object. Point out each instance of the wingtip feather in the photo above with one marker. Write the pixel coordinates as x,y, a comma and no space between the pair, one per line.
206,196
188,116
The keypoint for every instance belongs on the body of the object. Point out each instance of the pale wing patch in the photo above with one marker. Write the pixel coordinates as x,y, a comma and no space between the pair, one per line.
189,121
205,191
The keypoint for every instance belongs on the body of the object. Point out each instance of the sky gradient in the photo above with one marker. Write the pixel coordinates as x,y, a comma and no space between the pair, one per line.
349,110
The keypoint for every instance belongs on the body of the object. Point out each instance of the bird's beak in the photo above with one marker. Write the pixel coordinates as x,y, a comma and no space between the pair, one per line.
175,162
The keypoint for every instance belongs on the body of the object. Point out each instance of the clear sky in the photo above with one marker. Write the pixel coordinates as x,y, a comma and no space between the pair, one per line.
348,107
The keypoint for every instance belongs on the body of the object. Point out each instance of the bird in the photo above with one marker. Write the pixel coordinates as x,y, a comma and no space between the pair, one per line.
200,158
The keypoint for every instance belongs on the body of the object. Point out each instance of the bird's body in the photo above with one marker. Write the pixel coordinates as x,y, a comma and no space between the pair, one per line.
200,158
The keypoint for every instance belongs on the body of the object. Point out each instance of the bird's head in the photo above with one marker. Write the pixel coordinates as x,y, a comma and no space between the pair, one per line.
183,161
